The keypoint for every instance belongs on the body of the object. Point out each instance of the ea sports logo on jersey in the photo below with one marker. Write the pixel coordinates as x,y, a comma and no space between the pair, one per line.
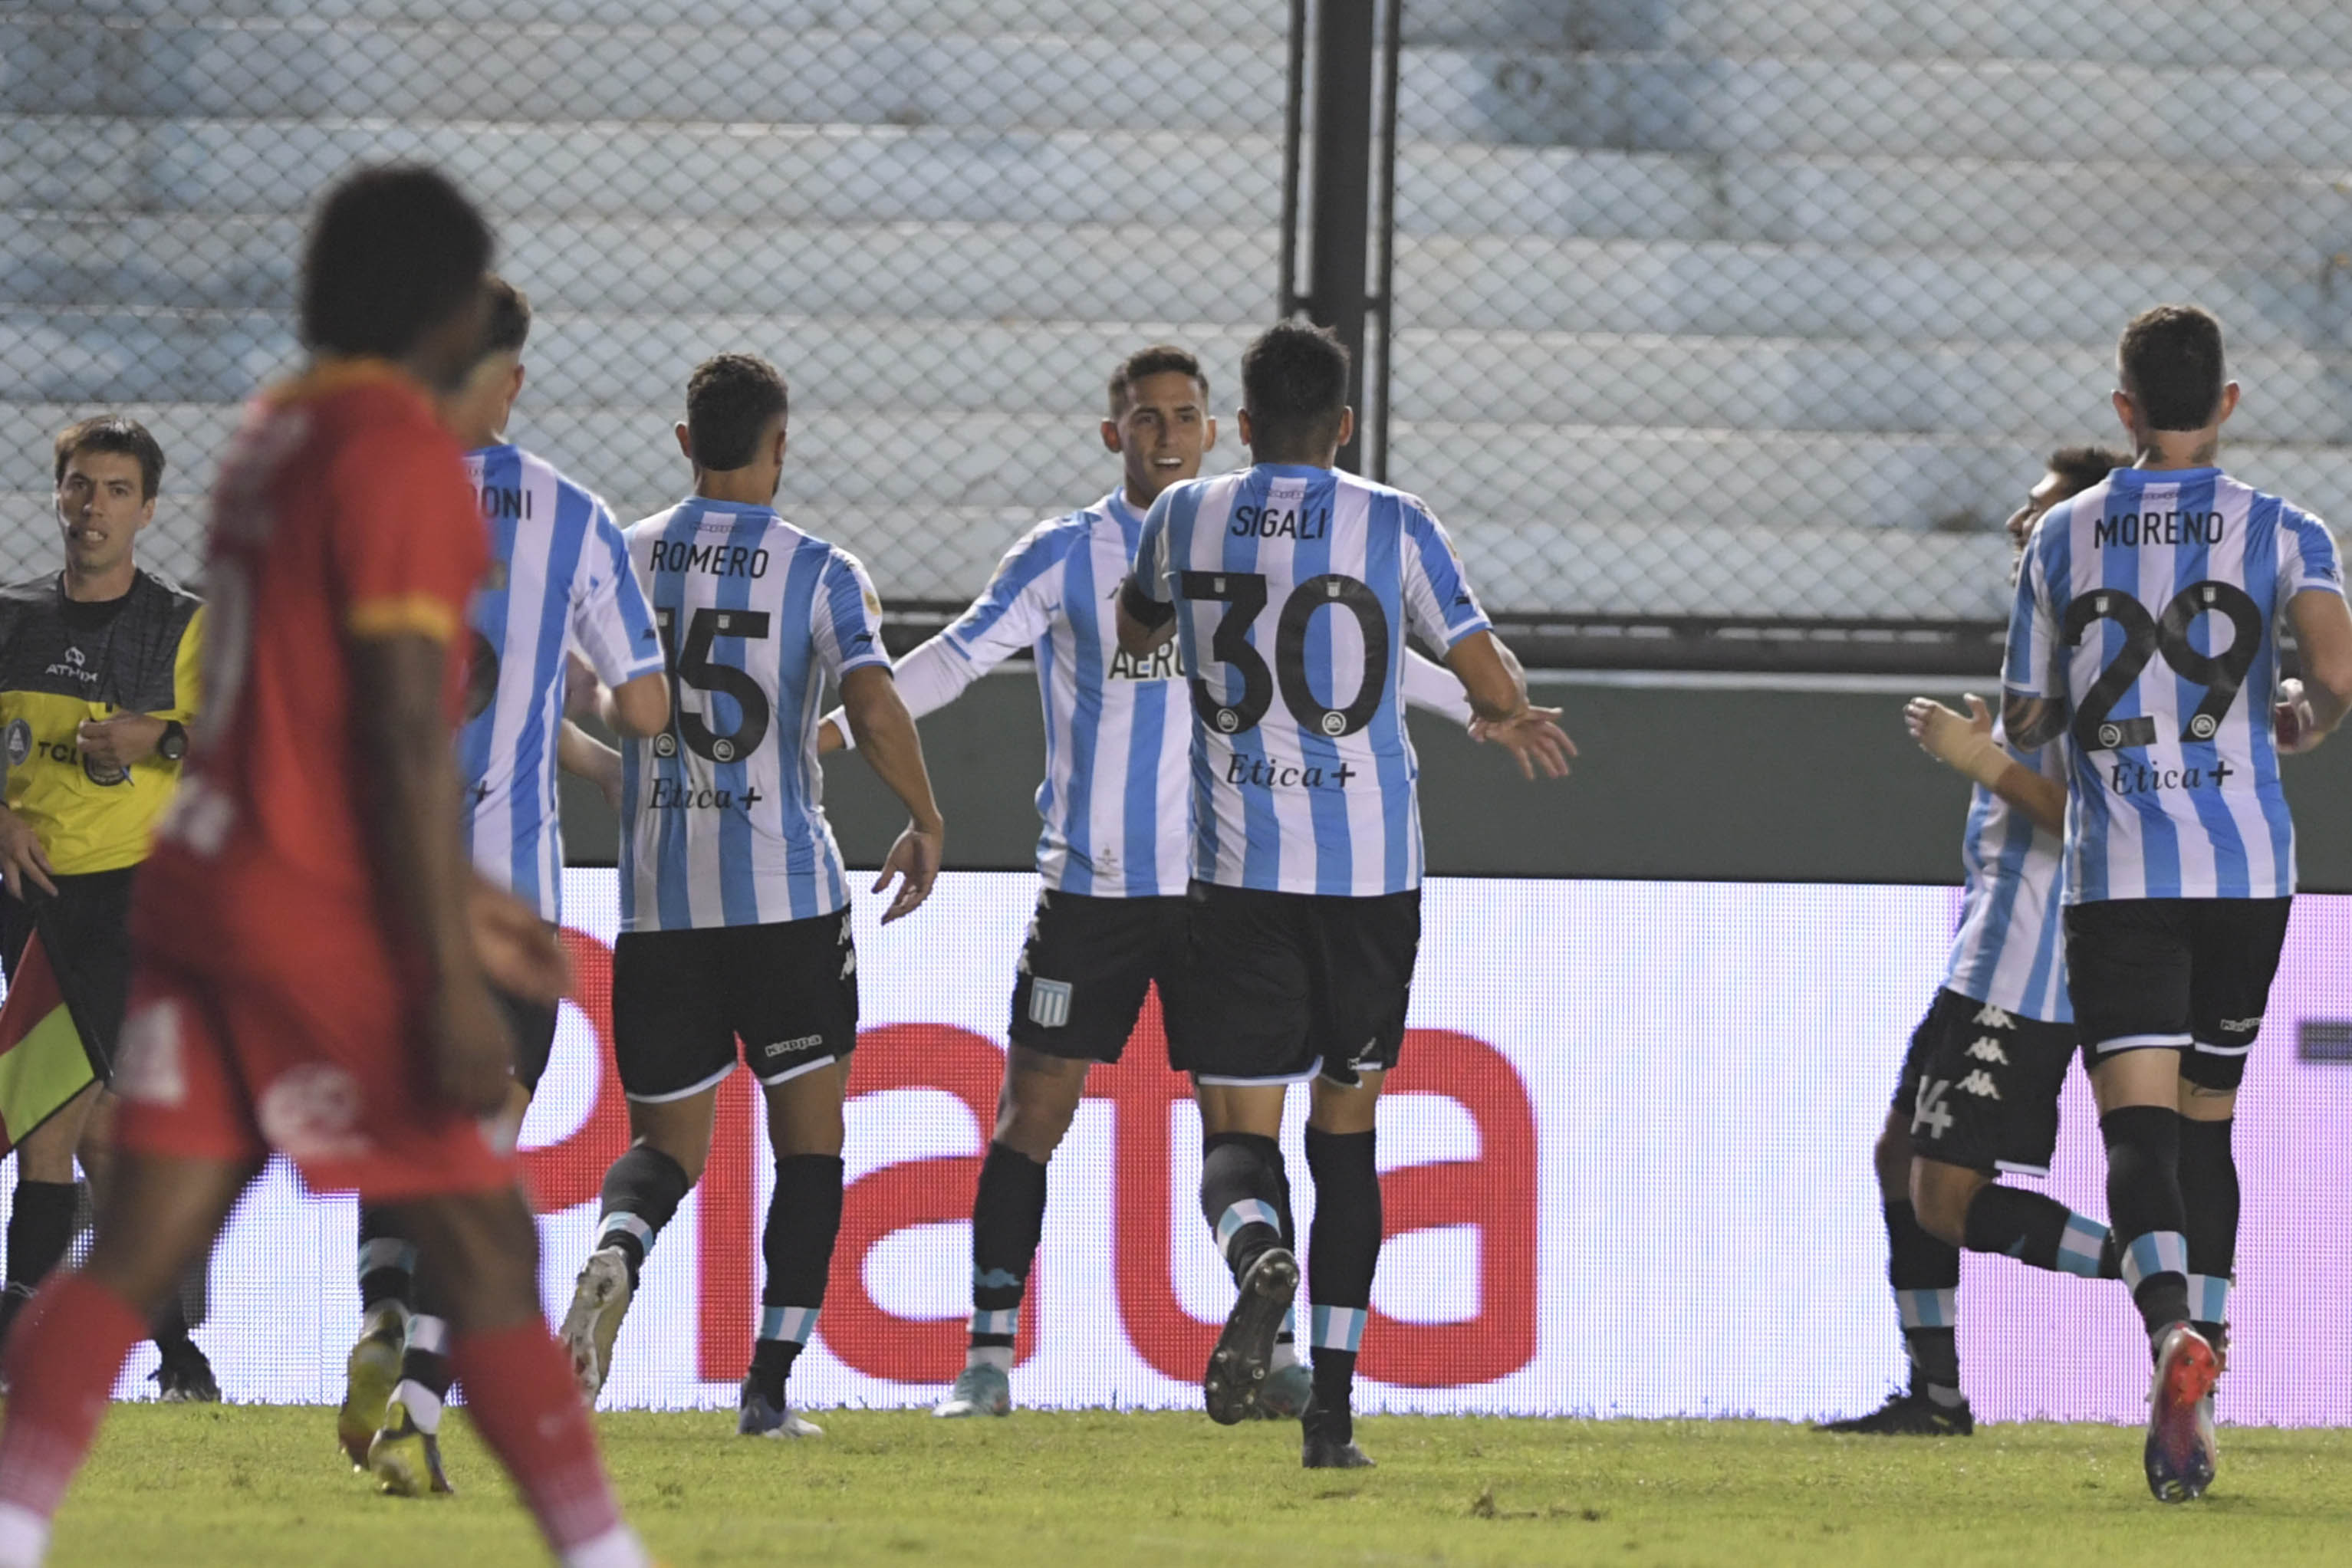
1228,720
1335,725
722,750
665,745
2110,736
2203,726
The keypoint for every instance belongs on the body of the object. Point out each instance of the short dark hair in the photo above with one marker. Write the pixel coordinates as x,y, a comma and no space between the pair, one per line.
1160,359
394,252
113,433
2172,363
729,400
509,327
2080,467
1295,385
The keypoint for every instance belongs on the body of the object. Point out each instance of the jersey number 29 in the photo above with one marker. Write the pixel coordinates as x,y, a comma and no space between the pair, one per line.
2146,636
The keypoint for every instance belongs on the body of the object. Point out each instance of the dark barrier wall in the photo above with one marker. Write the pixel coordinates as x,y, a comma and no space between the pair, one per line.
1711,782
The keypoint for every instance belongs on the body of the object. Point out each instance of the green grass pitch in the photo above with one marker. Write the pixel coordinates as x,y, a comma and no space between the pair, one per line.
178,1487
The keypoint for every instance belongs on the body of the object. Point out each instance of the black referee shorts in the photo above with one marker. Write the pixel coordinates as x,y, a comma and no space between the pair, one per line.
84,929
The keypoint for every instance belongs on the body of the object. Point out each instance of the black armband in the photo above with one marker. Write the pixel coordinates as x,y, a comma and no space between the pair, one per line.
1142,609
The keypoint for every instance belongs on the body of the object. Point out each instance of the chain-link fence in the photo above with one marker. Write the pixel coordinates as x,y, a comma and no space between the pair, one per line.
1772,306
1702,307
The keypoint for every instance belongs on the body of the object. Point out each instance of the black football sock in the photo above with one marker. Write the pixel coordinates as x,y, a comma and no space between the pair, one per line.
387,1261
1286,1340
1925,1274
2208,1196
170,1327
2035,1230
1008,1215
40,1228
1242,1195
2150,1219
1343,1251
796,1245
642,1192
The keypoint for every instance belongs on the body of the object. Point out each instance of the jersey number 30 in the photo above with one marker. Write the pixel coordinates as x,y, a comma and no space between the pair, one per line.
2145,637
1230,645
693,666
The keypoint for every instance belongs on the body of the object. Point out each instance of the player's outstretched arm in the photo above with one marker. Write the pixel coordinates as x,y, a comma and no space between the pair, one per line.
2316,703
411,813
1497,685
1964,743
884,732
933,675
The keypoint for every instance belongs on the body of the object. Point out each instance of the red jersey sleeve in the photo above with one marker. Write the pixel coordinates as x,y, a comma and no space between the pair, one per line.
406,541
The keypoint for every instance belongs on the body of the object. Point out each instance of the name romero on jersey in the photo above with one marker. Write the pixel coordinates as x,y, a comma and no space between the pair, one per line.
1295,589
722,815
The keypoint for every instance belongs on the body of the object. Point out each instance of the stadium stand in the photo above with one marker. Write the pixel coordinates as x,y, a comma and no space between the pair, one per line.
1754,306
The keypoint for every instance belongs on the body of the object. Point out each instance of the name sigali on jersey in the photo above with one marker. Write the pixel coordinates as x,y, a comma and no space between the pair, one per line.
1159,664
1281,522
718,559
2128,529
1266,774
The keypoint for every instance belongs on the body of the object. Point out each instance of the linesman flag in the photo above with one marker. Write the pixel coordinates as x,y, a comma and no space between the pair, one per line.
42,1062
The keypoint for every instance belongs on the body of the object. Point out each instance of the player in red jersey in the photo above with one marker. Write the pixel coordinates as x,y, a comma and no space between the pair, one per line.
314,951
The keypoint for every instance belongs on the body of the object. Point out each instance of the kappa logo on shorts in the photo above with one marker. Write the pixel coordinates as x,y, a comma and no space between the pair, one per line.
152,1069
2242,1026
1981,1085
1049,1003
313,1112
849,963
787,1047
1987,1049
1993,1018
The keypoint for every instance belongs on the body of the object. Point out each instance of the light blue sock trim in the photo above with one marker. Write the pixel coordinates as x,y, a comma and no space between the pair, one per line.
1248,1211
2080,1244
381,1253
1289,1325
2209,1298
1006,1321
1928,1309
429,1335
794,1323
1336,1328
2158,1252
625,1224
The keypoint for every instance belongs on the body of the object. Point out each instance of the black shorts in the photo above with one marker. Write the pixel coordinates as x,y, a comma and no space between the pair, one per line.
1981,1086
85,932
2186,974
534,1024
1086,968
1282,986
682,998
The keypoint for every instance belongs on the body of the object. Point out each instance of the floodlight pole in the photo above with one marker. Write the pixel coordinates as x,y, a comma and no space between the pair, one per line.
1340,191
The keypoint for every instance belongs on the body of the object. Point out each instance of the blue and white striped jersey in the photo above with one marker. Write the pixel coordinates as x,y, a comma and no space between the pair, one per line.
722,814
560,580
1295,588
1115,817
2009,951
2150,604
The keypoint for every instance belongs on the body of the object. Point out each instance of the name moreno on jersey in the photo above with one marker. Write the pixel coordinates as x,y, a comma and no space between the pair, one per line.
1295,587
724,816
2146,603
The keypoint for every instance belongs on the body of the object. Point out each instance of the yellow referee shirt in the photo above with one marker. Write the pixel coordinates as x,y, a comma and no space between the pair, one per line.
63,663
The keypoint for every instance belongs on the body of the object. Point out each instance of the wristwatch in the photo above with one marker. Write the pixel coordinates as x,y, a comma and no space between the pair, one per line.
173,746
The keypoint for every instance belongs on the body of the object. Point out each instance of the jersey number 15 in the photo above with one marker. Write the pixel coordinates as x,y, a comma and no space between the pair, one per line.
693,666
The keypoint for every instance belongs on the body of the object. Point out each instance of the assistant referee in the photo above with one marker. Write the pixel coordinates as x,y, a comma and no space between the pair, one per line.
97,679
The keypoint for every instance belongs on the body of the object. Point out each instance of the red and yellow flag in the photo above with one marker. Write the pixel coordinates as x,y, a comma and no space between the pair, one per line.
42,1062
